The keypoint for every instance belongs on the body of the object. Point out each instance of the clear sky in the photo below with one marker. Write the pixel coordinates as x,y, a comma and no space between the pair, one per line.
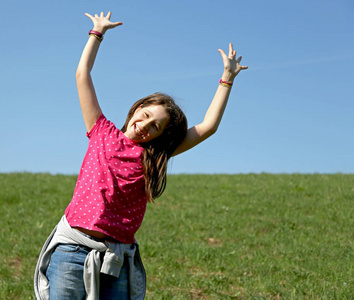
291,111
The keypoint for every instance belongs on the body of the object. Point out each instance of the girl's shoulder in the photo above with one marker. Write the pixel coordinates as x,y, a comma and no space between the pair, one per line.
105,130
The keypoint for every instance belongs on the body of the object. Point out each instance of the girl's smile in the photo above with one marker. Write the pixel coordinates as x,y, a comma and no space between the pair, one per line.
147,123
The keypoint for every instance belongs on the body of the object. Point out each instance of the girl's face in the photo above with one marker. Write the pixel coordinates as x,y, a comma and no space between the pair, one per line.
147,123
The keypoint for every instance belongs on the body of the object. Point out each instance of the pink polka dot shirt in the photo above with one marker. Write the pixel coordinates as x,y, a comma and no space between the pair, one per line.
109,195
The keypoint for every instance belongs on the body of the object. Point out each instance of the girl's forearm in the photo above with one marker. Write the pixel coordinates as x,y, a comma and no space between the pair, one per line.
213,116
212,119
217,107
88,56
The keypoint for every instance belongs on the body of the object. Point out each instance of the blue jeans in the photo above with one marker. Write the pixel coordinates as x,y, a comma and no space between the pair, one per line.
65,275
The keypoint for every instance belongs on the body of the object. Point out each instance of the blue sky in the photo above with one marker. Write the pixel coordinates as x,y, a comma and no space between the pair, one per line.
291,111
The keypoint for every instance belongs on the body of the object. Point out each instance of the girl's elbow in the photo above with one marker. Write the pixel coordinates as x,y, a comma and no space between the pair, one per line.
79,74
211,127
206,131
211,131
82,71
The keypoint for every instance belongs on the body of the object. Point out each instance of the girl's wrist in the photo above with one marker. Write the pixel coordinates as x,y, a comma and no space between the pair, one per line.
99,29
226,76
96,34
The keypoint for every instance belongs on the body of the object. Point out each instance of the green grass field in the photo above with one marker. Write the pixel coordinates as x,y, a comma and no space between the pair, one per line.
208,237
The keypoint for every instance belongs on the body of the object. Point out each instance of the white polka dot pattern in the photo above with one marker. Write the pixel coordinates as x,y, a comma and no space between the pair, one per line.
109,195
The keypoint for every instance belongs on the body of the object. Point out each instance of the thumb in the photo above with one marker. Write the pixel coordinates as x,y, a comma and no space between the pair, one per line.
223,55
89,16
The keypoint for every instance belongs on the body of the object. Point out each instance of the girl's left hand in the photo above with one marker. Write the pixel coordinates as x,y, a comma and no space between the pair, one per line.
231,65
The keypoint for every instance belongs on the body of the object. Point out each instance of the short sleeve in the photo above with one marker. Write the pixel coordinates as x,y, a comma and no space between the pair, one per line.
102,124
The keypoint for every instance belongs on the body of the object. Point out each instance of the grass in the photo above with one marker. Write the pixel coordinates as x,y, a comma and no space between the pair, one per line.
208,237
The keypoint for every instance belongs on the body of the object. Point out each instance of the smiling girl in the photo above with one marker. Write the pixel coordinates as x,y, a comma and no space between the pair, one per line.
92,253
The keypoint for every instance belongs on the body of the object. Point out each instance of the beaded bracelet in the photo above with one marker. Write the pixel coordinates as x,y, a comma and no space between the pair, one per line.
96,34
98,38
225,83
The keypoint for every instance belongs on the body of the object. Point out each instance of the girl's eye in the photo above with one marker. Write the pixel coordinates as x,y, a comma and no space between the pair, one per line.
146,115
155,127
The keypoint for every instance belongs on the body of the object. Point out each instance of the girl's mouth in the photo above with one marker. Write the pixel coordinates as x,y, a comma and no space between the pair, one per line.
138,131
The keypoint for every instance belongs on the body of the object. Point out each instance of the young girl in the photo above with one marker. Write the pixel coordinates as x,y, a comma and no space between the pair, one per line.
92,252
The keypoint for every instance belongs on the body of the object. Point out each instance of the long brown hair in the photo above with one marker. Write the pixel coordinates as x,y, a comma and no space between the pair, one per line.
158,151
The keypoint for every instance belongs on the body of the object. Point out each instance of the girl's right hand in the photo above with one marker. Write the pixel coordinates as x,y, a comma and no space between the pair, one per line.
102,23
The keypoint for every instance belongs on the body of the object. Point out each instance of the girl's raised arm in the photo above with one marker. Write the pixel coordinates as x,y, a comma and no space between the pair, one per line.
87,95
210,124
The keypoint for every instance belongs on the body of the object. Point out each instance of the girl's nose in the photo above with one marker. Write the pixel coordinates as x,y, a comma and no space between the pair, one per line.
146,125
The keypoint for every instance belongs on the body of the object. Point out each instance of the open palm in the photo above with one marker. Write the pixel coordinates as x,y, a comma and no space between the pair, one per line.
101,23
231,64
